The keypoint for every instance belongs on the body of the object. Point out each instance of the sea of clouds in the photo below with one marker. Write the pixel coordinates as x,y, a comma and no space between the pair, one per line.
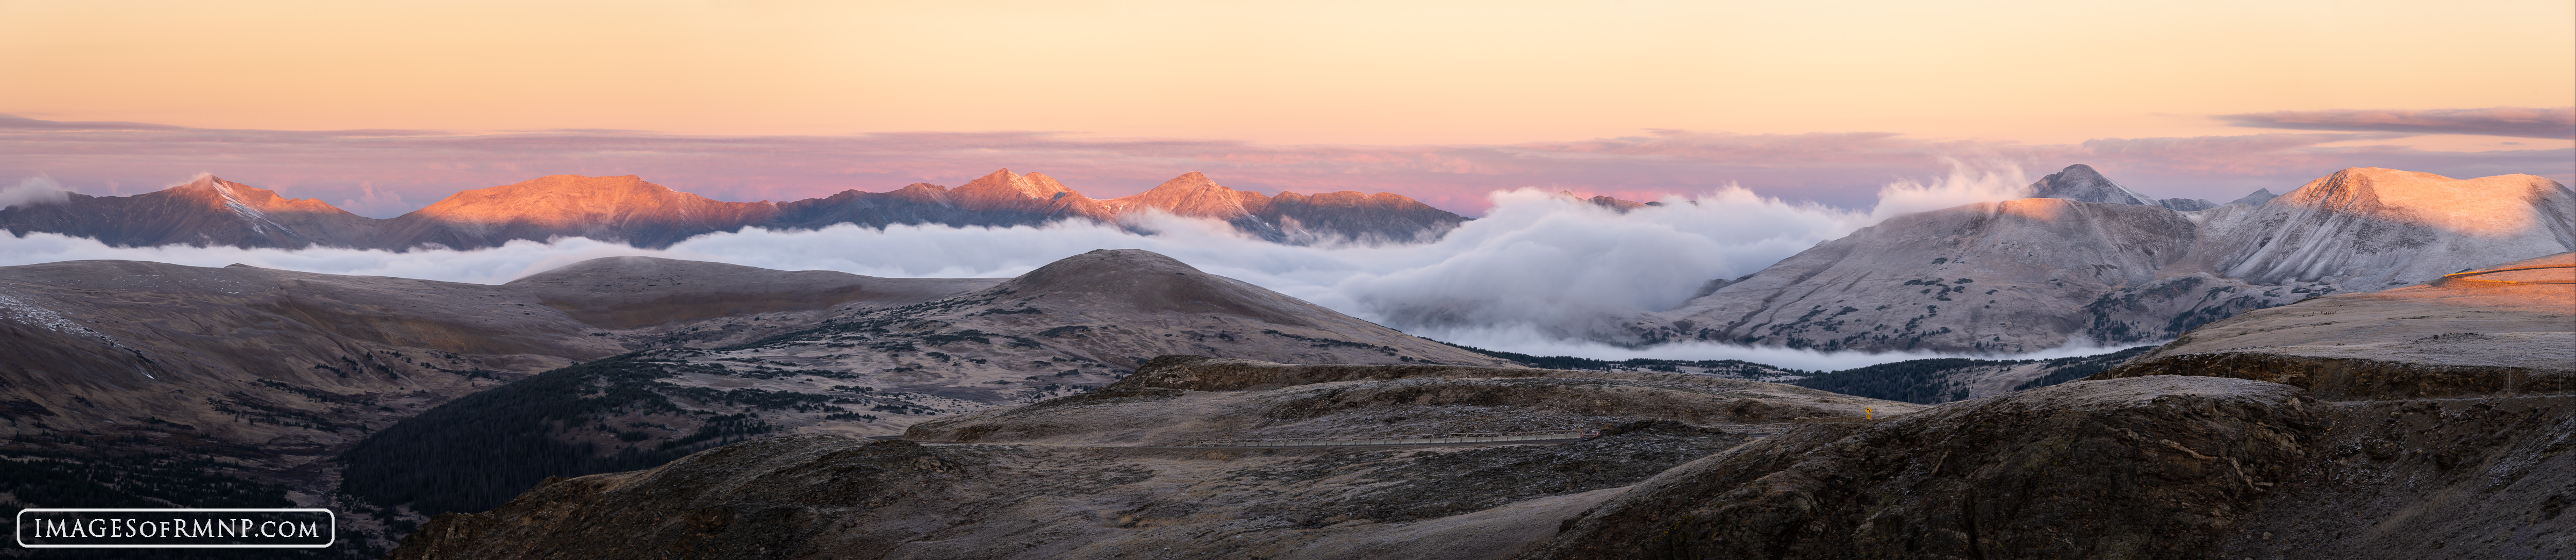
1540,274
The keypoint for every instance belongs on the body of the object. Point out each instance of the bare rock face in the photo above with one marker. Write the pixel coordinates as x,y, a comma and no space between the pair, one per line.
2037,273
1062,479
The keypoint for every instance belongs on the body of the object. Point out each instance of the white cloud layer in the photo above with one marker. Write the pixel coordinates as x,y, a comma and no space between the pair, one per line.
33,190
1537,275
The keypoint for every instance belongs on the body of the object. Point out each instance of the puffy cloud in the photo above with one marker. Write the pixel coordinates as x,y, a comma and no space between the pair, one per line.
2525,122
404,169
33,190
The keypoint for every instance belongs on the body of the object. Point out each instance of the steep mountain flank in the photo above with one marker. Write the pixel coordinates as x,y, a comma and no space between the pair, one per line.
2367,228
830,496
627,209
2040,272
2006,276
206,212
1075,324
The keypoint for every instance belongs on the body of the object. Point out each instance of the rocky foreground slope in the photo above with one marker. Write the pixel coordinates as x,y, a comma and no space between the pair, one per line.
1073,325
2169,456
2036,273
627,209
1081,476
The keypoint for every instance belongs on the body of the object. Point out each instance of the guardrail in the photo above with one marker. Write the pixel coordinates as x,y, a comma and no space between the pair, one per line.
1429,439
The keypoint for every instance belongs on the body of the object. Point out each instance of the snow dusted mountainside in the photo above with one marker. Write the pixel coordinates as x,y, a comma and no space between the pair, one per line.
2037,273
2080,182
2367,228
205,211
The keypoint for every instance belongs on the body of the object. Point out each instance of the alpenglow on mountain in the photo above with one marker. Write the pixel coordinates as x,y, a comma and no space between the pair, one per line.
211,211
2099,263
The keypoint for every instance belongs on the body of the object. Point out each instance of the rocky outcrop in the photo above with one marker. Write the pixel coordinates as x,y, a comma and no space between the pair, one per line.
2036,273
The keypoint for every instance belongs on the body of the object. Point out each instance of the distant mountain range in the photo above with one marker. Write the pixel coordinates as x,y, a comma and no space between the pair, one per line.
211,211
2091,260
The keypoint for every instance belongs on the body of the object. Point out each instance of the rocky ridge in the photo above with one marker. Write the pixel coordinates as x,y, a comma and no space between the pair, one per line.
857,370
2036,273
189,380
626,209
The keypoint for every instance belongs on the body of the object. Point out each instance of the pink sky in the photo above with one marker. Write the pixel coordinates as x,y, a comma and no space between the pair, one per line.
386,172
383,107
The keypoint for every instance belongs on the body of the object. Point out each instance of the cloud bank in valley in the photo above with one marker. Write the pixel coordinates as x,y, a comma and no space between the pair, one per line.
1541,272
383,173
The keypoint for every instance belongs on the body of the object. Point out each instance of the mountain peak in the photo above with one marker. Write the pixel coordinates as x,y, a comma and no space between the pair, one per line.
1193,194
2256,198
2080,182
2499,205
1150,281
248,201
1033,185
569,200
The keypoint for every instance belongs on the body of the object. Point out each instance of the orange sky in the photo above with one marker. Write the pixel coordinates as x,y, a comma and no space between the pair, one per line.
1283,72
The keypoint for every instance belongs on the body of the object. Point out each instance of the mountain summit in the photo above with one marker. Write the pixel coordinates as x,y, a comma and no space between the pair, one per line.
2080,182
